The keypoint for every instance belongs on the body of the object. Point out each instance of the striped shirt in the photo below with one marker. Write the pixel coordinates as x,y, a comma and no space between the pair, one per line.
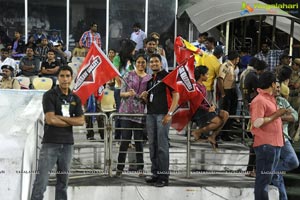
271,58
88,38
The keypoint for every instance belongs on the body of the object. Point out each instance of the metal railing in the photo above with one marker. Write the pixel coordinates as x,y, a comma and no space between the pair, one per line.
109,150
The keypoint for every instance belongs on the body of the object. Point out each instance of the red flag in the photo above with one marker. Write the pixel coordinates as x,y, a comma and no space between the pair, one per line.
95,71
182,80
183,50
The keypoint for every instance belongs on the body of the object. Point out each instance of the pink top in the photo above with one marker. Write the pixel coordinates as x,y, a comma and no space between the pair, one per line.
264,105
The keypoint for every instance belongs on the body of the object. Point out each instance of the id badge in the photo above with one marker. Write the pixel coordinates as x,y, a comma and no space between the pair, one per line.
151,97
65,110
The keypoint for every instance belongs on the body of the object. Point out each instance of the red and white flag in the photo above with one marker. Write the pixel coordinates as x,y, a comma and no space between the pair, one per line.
95,70
182,80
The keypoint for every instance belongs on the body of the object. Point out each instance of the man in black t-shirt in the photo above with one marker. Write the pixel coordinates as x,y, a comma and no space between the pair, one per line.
158,122
62,110
50,67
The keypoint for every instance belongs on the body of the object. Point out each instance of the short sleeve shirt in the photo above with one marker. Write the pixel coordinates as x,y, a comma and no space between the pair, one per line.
226,72
53,100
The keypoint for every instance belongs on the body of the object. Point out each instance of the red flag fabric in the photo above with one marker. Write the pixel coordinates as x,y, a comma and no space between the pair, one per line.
95,70
183,50
182,80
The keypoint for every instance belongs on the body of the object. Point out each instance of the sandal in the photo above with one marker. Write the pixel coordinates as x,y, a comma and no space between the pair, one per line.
213,143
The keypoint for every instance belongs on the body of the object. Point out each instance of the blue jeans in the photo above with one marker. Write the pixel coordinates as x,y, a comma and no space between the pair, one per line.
51,154
158,145
288,161
267,157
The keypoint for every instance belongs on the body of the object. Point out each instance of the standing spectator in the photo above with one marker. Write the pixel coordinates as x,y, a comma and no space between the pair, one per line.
158,121
159,49
151,49
29,65
210,45
200,42
212,62
267,131
294,85
227,87
50,67
284,60
90,36
130,103
271,57
124,63
138,36
62,111
8,81
245,58
288,158
42,50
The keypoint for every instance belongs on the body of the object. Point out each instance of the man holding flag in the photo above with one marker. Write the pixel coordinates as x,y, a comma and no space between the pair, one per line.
158,121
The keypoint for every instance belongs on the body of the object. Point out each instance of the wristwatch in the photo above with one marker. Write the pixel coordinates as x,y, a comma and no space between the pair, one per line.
170,113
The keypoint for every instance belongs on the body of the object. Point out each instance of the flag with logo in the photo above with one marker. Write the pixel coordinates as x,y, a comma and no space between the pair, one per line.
182,80
95,70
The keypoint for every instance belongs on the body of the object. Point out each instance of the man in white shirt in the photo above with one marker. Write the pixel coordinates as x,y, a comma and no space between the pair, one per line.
138,36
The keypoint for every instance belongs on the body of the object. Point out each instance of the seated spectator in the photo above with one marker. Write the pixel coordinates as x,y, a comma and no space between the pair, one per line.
31,43
207,117
7,81
111,54
5,60
39,36
79,51
18,46
50,67
54,37
60,55
29,65
42,49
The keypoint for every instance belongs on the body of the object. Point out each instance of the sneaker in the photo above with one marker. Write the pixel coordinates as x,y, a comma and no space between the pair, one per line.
161,183
151,179
91,138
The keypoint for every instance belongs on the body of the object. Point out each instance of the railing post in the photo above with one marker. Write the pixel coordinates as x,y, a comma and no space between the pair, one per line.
188,151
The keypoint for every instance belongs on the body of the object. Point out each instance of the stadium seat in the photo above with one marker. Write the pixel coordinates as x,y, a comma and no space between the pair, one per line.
108,101
24,82
77,60
42,83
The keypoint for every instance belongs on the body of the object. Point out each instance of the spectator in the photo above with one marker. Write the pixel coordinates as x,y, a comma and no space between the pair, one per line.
130,103
31,43
90,36
42,50
79,51
50,67
39,36
158,122
18,46
60,55
6,60
62,111
245,59
159,49
284,60
200,42
207,117
111,54
227,87
213,64
271,57
138,36
210,45
124,63
54,37
7,81
151,49
284,79
29,65
267,131
288,158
